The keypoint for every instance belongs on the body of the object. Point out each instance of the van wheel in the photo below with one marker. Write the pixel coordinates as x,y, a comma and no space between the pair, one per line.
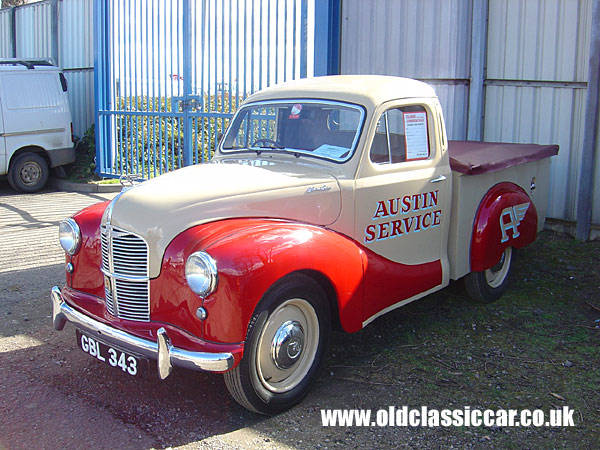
489,285
28,172
285,347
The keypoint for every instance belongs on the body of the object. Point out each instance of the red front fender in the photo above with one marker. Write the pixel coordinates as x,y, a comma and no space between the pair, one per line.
506,218
252,254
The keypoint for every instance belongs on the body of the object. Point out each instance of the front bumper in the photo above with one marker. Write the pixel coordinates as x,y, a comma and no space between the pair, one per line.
162,351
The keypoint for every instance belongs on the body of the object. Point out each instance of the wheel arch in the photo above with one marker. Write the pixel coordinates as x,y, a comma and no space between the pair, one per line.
274,251
330,294
251,256
506,217
30,149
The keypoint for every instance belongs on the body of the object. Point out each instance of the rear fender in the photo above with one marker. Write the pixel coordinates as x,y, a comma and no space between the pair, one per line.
506,218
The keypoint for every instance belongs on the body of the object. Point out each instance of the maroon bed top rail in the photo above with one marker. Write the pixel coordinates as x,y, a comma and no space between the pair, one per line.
472,157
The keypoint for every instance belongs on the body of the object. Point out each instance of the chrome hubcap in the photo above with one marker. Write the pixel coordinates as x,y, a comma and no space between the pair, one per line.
30,173
287,344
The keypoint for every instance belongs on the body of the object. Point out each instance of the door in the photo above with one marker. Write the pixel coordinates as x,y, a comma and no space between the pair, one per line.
401,195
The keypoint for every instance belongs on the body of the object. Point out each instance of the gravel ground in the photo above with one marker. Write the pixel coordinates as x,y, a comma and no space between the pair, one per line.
55,396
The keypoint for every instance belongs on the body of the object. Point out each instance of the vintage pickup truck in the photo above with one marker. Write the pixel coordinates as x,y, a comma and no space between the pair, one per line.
329,202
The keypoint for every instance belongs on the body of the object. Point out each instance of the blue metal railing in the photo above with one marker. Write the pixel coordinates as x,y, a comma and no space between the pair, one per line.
171,73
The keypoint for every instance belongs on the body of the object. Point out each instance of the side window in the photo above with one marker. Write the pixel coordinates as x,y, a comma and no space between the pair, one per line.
401,135
31,91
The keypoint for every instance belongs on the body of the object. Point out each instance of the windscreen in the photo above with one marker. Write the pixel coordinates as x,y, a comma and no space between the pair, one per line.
327,130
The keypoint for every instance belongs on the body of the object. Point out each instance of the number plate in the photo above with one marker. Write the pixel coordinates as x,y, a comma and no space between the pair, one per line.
129,363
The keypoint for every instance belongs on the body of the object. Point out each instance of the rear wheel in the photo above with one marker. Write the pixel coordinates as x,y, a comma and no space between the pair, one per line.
489,285
285,347
28,172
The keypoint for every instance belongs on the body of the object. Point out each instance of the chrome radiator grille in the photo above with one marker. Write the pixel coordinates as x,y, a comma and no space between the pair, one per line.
125,268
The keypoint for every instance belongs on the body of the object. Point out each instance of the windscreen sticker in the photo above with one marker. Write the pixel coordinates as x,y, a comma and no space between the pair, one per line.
330,151
295,112
404,215
415,133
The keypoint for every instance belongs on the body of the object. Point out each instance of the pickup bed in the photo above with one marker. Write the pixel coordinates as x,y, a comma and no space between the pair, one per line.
329,202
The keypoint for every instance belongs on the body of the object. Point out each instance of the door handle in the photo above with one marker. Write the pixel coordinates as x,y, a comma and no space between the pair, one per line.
438,179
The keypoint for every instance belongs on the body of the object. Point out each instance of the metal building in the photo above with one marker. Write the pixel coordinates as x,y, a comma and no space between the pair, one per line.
61,30
505,71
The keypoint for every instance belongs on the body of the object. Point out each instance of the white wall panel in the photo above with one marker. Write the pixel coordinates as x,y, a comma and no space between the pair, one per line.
455,104
404,38
542,115
5,34
34,31
539,39
81,99
76,34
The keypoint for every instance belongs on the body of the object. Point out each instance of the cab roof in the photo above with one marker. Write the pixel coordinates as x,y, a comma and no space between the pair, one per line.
367,90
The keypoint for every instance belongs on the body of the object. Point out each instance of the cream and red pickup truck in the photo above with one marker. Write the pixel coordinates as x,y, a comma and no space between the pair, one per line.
329,202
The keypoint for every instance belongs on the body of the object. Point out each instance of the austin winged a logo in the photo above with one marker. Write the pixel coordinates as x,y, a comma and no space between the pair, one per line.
515,216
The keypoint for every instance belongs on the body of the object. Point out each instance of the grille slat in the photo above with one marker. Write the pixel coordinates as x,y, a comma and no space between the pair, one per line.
128,254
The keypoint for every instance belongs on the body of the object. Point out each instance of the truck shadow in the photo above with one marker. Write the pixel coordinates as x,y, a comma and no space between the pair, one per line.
440,351
186,407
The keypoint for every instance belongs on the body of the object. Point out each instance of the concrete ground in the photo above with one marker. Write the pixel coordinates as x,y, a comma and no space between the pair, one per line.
30,223
54,396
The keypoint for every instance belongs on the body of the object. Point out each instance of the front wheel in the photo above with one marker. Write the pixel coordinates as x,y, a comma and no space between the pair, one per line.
489,285
285,347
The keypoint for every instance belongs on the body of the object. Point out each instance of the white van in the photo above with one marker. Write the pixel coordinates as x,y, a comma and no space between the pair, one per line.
36,131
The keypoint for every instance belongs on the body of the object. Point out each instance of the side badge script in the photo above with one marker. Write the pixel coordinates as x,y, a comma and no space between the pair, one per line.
515,216
323,188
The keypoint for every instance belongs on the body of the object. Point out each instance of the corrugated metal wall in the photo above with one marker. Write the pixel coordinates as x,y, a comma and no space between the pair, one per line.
5,30
393,37
76,57
536,80
537,65
33,26
34,39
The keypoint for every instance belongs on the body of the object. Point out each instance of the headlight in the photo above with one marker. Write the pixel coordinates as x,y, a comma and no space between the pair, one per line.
69,236
201,273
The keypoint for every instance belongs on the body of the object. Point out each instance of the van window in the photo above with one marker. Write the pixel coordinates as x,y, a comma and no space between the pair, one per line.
30,91
63,82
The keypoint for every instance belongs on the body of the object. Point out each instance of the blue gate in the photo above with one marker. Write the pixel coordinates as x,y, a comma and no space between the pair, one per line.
170,73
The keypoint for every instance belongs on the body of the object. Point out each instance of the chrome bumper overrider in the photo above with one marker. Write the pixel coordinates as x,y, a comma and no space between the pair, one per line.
163,351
